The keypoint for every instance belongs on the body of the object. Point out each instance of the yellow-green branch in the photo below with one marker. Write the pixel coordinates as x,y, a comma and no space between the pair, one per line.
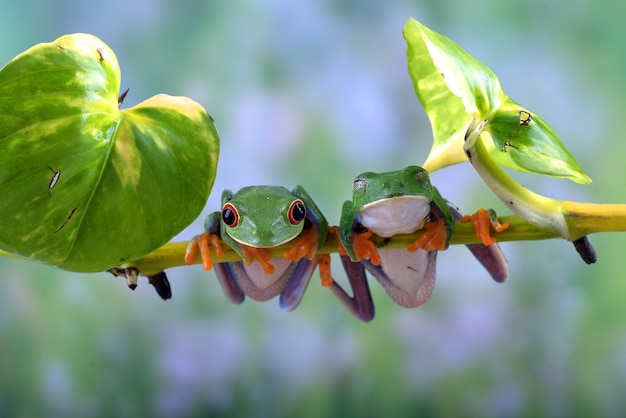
582,218
585,218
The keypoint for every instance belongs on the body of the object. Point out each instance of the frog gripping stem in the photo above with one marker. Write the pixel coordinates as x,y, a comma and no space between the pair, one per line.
433,238
484,221
365,249
305,246
262,255
202,242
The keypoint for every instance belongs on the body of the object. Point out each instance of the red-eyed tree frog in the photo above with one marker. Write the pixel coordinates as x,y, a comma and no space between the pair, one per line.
402,202
251,221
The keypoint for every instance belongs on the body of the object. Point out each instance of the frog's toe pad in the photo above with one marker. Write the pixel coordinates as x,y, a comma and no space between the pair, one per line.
433,238
364,248
484,221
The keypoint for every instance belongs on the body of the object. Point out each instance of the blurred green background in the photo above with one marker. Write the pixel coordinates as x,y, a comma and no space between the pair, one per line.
313,93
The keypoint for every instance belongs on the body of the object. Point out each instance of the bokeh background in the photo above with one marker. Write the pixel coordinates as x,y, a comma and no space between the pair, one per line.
313,93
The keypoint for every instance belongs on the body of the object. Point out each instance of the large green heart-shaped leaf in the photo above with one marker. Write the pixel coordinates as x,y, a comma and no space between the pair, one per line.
456,88
85,185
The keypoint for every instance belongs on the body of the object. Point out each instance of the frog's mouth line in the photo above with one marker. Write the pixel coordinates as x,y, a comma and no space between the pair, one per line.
400,199
248,244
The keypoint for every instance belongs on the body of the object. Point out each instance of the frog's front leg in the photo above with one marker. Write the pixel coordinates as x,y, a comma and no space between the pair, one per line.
203,241
211,237
313,235
304,246
434,237
438,229
364,248
304,257
353,238
262,255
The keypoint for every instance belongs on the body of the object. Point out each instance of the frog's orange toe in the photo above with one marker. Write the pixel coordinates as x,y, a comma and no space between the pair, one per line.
325,274
364,249
433,237
262,255
304,246
191,251
483,222
202,242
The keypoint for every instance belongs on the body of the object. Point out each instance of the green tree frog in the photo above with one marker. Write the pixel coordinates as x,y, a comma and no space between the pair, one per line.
402,202
251,221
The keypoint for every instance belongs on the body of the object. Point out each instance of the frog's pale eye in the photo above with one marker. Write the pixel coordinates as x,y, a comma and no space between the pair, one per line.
422,177
359,184
297,212
230,216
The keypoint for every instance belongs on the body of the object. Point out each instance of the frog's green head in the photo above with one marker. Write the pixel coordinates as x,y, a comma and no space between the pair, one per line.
373,187
263,216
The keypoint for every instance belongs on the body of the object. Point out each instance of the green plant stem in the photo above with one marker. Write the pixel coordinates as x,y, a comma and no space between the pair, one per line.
172,254
587,218
582,219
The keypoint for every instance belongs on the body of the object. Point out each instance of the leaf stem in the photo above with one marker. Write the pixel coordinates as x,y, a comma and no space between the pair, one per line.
546,213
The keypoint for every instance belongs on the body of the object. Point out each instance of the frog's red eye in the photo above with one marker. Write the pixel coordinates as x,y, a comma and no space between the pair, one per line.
297,212
230,216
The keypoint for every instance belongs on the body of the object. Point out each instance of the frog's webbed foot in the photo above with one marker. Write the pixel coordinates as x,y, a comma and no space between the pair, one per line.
433,238
262,255
364,248
304,246
323,260
483,222
202,242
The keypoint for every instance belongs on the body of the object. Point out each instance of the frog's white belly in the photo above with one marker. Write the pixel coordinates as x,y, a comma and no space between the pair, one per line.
396,215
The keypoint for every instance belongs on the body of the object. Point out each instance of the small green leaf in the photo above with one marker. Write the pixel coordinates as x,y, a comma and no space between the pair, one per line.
525,142
456,88
85,185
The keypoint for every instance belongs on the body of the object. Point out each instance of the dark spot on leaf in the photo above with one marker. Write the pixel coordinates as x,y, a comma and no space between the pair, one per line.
525,118
100,53
507,145
66,221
